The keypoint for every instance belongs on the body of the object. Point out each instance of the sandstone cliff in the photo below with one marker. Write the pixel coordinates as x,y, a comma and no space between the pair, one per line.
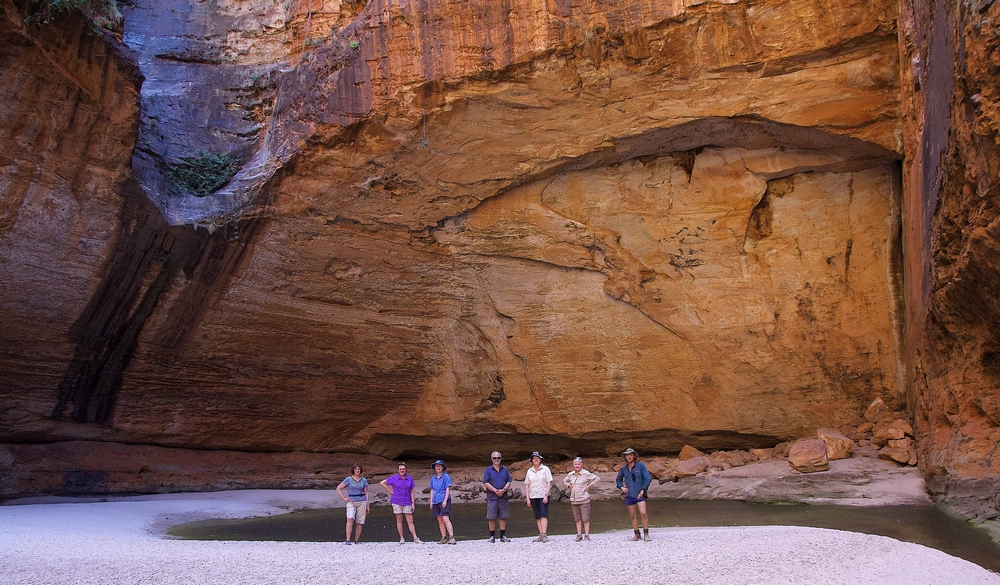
651,223
433,228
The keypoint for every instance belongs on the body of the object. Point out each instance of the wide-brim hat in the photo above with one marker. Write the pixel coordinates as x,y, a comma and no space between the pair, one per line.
439,462
536,454
627,451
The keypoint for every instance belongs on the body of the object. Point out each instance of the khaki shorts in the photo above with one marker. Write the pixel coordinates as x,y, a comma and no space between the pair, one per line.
581,512
397,509
357,511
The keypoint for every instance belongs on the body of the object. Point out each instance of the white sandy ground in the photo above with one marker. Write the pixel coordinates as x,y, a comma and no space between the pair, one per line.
121,541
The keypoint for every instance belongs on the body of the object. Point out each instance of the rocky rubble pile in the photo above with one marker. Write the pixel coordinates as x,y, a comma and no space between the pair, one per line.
881,432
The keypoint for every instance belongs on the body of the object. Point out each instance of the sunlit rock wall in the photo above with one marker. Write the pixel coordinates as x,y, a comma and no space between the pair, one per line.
458,226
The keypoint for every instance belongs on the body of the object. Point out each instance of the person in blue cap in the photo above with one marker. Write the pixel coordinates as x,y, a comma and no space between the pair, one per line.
441,501
633,480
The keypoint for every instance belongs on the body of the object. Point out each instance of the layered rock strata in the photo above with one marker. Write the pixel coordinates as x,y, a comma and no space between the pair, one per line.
572,225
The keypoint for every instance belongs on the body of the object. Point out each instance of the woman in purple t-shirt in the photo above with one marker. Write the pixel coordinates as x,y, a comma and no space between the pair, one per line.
402,496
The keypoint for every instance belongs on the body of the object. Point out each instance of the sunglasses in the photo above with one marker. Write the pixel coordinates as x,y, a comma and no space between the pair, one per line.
497,458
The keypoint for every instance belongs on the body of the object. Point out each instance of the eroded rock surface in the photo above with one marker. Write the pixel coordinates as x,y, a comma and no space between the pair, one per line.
578,226
951,95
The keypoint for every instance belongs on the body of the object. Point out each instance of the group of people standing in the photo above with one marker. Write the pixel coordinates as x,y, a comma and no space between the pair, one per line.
633,480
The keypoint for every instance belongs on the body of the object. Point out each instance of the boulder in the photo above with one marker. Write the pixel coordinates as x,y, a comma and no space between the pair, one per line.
903,456
837,445
661,467
691,467
740,458
900,450
519,469
762,454
688,452
865,427
877,410
849,431
904,443
781,451
601,466
719,459
808,456
889,429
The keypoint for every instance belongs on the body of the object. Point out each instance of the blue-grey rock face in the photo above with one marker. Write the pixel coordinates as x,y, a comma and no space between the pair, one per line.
227,98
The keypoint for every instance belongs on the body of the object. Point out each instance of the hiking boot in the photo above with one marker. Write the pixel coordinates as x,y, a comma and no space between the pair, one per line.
579,537
452,540
636,537
645,536
545,538
444,540
504,539
417,540
494,539
540,538
586,537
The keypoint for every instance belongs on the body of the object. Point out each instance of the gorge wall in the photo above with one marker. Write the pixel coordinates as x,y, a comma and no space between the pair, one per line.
454,226
951,89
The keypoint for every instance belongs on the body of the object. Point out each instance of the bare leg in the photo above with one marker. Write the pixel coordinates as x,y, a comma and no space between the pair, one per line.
350,525
503,524
399,525
586,527
409,524
645,517
579,526
441,526
493,525
631,515
447,524
357,532
543,525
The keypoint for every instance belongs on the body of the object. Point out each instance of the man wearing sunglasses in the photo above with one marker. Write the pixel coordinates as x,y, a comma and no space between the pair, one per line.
633,480
496,480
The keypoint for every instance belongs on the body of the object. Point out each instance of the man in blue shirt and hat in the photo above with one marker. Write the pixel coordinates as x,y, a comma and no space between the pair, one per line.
633,480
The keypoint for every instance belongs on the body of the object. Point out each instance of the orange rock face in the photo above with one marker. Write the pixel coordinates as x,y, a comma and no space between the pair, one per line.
459,227
485,261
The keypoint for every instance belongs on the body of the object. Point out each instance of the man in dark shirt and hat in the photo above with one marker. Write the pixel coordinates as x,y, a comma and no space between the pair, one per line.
633,480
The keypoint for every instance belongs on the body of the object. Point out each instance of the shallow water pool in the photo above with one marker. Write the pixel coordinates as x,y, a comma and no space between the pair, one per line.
924,525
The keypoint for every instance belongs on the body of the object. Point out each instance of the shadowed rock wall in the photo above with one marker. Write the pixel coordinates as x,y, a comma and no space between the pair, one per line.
951,86
70,110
